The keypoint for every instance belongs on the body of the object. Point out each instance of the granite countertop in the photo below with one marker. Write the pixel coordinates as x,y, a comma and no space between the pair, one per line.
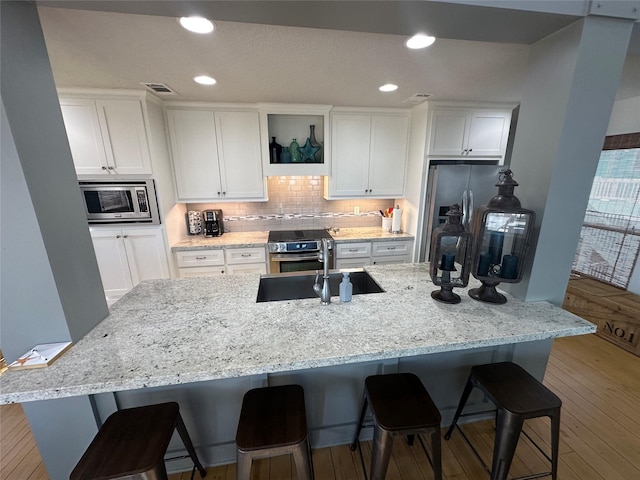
348,235
170,332
259,239
229,239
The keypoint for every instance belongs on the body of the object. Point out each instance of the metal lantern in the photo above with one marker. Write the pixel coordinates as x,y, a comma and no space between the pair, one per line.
451,248
502,230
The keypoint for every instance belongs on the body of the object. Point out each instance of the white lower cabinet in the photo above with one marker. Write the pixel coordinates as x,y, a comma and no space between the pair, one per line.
126,256
360,254
352,255
200,263
394,251
246,260
227,260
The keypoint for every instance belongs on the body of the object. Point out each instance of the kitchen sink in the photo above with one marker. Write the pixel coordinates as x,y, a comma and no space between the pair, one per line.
295,286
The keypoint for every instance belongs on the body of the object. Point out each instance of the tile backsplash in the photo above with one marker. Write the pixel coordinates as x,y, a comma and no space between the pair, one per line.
297,203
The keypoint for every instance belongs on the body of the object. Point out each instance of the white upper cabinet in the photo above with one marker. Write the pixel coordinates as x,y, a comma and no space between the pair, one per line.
216,154
369,155
239,153
465,132
124,135
106,136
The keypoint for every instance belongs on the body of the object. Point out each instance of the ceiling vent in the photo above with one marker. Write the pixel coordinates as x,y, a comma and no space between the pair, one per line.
416,98
159,88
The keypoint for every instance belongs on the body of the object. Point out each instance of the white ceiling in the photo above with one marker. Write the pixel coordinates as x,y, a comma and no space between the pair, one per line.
263,62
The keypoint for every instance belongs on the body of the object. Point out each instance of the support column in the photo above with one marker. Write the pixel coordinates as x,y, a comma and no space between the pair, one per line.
572,79
51,287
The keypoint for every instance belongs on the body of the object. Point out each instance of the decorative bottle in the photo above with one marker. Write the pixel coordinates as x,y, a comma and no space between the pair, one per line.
314,143
285,155
275,149
346,288
294,150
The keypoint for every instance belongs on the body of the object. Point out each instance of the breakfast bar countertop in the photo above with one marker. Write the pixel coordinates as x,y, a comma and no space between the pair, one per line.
170,332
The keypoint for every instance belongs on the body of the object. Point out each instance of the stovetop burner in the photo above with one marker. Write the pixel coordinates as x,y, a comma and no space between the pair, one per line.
298,235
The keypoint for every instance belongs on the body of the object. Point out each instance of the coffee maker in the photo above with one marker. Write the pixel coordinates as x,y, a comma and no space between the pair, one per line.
213,223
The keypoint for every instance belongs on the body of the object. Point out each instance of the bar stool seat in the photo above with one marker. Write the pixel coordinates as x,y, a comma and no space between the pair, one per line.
132,443
518,397
273,422
400,406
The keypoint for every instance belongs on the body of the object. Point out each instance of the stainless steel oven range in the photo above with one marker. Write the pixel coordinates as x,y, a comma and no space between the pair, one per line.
297,250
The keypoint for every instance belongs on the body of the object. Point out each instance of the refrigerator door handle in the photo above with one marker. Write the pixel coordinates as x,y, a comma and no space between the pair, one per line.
465,209
469,208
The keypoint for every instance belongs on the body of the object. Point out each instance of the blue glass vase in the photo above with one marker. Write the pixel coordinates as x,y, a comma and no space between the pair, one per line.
294,150
285,155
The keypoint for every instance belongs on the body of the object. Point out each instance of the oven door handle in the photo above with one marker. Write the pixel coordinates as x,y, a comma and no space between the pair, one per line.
292,257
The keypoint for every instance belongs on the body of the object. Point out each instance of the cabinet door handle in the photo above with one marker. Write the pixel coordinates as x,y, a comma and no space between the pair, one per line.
470,150
125,236
391,248
353,249
104,168
118,236
111,168
224,193
201,258
245,255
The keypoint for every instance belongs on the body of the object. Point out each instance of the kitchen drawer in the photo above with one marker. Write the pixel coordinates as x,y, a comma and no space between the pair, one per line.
201,271
352,262
397,247
390,260
200,258
247,268
353,250
236,256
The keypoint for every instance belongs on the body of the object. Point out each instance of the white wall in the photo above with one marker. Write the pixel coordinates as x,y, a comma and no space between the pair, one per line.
412,216
625,118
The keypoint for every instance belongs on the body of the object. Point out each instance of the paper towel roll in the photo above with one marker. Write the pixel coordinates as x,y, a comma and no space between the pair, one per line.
396,220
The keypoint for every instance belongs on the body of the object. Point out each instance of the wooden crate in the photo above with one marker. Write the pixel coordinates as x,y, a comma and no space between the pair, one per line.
616,312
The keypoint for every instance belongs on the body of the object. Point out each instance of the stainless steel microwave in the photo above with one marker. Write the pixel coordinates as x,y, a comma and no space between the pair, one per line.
120,201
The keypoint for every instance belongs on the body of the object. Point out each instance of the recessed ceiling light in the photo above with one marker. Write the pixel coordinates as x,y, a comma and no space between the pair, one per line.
197,24
204,80
419,41
389,87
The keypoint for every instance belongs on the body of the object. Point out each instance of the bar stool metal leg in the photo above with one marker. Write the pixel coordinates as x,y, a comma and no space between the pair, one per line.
436,453
555,443
508,428
243,461
381,452
463,400
363,413
186,439
301,456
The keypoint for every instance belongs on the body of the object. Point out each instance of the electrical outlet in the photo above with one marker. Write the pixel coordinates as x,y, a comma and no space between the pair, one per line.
356,210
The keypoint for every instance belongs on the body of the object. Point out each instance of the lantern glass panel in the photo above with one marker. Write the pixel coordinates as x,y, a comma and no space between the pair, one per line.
450,257
504,241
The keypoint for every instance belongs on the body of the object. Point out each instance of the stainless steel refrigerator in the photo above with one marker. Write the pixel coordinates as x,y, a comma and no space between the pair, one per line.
468,185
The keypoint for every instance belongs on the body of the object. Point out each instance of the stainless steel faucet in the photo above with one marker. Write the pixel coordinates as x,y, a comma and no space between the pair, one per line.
323,291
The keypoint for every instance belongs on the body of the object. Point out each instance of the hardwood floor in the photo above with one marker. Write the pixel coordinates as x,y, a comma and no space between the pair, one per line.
598,382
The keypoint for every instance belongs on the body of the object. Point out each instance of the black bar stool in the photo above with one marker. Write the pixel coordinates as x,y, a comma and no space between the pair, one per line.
517,397
400,406
132,443
273,421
